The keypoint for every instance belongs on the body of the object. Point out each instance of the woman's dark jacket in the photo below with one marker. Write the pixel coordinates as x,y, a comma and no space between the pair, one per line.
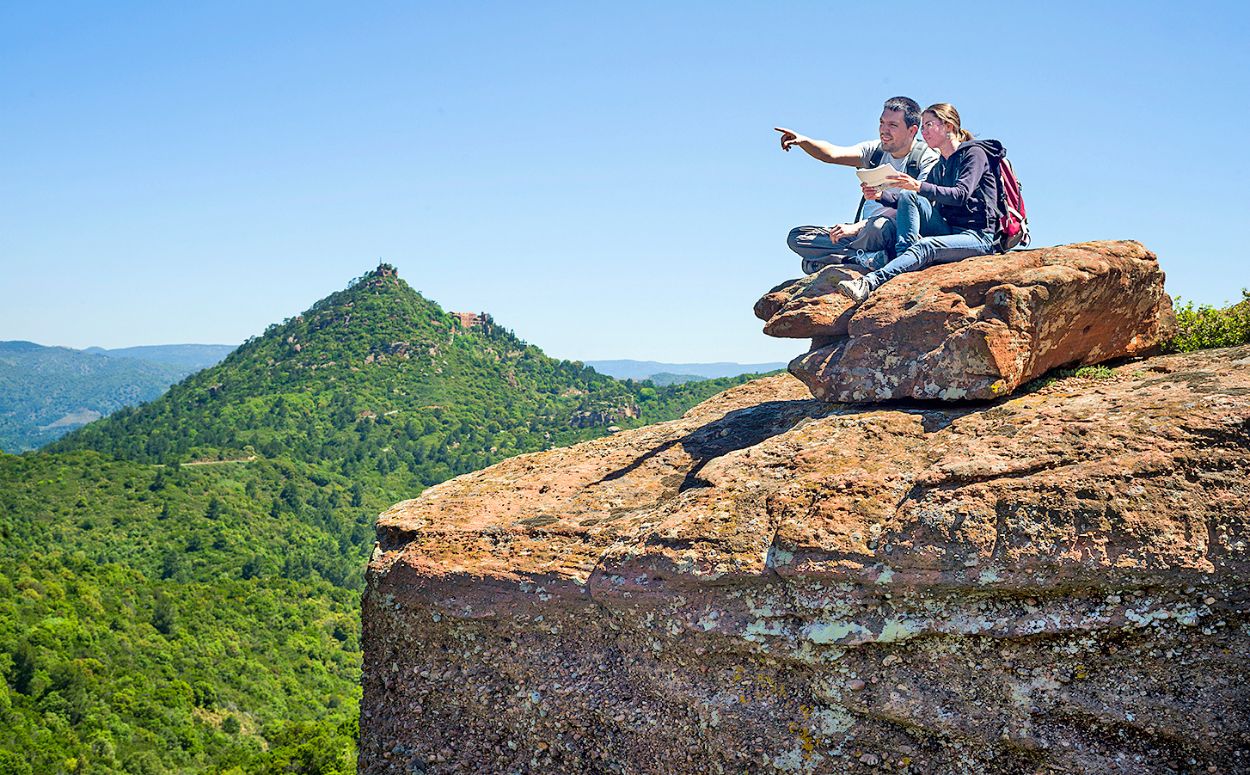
963,188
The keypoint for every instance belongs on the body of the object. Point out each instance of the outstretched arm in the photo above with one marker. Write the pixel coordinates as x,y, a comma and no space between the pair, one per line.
819,149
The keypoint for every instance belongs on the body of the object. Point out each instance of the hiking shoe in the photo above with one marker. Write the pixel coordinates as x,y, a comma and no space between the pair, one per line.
830,274
872,259
814,265
856,290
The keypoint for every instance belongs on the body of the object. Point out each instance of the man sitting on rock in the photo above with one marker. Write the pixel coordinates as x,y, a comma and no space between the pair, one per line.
873,228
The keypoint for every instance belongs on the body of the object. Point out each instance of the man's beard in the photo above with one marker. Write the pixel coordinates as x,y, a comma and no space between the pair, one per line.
896,148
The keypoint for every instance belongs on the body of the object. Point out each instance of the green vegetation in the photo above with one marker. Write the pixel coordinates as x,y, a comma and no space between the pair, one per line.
156,619
180,582
1086,372
1207,326
1080,372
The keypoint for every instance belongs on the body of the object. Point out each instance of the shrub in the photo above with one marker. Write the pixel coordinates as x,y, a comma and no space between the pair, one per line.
1080,372
1206,326
1088,372
13,764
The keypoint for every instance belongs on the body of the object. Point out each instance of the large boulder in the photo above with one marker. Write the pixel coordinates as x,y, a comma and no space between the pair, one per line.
979,328
1057,582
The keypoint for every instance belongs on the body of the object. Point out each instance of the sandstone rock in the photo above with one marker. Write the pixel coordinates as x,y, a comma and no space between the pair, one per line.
980,328
809,306
775,299
778,584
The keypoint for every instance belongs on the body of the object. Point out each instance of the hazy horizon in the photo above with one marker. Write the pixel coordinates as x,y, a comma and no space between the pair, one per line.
93,349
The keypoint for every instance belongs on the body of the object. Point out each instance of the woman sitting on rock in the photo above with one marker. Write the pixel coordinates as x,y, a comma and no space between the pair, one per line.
951,216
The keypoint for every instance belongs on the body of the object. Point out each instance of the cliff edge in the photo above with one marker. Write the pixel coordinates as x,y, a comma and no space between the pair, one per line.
774,583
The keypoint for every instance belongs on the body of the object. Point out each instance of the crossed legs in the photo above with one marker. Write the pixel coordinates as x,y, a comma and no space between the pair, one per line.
819,250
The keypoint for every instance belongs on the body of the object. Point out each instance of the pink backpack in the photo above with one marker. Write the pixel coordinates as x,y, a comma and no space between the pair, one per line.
1013,225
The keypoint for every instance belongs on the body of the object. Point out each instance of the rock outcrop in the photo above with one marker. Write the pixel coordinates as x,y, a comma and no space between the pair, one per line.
1055,582
974,329
808,307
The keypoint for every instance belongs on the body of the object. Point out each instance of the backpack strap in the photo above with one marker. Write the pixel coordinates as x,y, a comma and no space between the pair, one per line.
873,161
915,158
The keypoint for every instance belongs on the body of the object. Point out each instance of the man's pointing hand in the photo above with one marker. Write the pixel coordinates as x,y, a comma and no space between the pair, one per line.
790,138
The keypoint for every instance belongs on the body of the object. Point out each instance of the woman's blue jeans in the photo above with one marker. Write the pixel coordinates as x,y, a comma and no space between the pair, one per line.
924,239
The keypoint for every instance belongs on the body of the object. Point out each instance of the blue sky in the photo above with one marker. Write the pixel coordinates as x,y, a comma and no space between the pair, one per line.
603,179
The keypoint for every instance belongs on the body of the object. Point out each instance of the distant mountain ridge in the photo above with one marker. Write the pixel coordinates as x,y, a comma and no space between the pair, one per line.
640,370
18,347
191,356
47,391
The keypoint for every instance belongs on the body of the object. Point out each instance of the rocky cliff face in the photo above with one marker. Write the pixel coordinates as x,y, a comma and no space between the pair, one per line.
1055,582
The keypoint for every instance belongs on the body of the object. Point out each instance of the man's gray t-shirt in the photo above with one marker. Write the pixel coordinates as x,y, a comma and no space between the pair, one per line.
869,147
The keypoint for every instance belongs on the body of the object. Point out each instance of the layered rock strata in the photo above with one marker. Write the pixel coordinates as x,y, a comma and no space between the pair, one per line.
974,329
1051,583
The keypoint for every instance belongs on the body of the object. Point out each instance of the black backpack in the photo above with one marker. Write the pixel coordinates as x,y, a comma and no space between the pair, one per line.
912,167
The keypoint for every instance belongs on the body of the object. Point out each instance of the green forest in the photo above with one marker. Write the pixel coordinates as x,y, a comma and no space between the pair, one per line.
180,581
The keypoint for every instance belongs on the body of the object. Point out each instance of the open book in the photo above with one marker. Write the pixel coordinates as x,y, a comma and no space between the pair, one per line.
877,176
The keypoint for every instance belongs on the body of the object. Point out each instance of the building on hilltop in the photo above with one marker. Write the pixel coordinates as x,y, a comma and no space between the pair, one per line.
475,321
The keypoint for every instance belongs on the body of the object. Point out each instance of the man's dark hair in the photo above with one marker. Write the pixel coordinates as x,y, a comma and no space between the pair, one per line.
907,106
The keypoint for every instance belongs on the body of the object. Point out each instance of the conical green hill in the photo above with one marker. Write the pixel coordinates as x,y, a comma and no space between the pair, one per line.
378,375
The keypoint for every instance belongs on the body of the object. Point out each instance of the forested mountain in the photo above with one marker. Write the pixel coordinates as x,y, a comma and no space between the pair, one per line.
378,370
45,392
179,582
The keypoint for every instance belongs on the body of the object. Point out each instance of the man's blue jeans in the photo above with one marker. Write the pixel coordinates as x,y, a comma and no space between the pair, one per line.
924,239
